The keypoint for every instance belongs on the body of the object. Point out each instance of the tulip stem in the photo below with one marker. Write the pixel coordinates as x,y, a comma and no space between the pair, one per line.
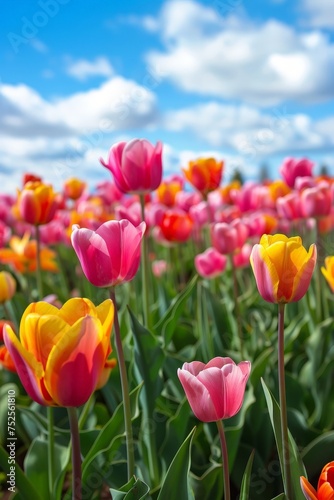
38,264
125,390
51,446
144,267
76,455
283,407
227,494
237,305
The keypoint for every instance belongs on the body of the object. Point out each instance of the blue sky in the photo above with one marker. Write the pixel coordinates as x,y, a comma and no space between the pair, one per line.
247,82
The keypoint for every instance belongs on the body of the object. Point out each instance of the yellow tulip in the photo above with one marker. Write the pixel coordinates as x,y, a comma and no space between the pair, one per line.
62,352
282,267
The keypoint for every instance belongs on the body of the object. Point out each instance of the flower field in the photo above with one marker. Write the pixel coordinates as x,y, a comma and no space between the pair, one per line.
167,337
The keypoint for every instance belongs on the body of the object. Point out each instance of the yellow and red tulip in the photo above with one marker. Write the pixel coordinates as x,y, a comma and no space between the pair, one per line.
61,353
204,174
7,286
282,267
37,203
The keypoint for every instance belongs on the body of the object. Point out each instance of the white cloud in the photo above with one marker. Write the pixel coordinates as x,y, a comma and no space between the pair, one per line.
117,104
83,69
230,57
319,14
251,132
38,45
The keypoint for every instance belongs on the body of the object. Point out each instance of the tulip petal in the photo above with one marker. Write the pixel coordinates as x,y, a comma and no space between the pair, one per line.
198,397
28,368
265,273
303,277
93,254
194,367
76,362
75,309
41,334
308,490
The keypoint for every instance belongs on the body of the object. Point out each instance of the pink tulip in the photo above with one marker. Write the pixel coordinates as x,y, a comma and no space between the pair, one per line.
111,255
289,206
316,202
136,165
293,168
210,263
241,258
185,200
227,238
159,268
215,390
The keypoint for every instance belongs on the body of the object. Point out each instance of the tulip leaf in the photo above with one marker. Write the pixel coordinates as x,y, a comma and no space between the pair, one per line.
296,465
176,484
210,484
110,432
149,358
282,496
167,324
245,484
34,465
135,489
317,453
24,488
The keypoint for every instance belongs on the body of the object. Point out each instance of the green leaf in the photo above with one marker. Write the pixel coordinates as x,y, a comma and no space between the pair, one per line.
296,465
210,484
35,465
282,496
149,358
318,453
26,490
113,429
175,484
135,489
244,491
167,324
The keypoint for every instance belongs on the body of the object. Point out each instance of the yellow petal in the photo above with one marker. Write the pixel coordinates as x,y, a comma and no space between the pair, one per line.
77,308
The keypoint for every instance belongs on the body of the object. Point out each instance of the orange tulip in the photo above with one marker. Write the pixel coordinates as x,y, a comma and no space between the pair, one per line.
7,286
282,267
325,490
37,203
328,271
73,188
168,189
204,174
5,358
61,353
22,255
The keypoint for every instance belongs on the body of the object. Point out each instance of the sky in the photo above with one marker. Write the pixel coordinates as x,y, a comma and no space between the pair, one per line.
250,83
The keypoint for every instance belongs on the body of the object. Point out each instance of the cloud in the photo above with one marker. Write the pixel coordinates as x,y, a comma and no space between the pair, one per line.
230,57
250,132
318,14
116,105
83,69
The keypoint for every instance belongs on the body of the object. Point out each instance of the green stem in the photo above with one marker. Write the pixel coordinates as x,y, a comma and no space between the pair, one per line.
76,455
227,494
237,305
51,455
144,267
283,407
85,411
125,390
38,264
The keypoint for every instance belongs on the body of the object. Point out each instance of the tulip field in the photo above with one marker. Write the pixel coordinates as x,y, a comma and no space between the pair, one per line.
167,337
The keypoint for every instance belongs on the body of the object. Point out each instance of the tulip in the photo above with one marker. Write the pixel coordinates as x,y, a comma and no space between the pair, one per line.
110,255
168,189
328,271
204,174
61,353
317,201
73,188
214,390
136,165
227,238
7,286
210,263
325,489
282,267
37,203
176,226
159,268
5,358
241,258
293,168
